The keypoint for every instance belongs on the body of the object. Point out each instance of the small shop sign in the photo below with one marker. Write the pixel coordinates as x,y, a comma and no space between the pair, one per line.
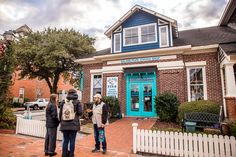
112,86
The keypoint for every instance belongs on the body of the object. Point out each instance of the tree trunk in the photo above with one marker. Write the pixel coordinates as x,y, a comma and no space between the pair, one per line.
55,82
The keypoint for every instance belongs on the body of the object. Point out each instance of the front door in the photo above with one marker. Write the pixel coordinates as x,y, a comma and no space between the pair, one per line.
141,92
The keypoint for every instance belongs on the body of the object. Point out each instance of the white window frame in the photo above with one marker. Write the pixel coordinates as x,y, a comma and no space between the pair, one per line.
117,34
91,85
139,34
23,92
168,42
204,81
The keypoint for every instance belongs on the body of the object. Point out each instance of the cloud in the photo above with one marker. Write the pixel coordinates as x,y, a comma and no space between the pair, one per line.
94,17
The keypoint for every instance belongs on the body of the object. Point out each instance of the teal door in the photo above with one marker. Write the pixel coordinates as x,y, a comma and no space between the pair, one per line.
141,91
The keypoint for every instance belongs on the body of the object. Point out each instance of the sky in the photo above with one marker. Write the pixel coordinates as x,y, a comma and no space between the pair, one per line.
94,17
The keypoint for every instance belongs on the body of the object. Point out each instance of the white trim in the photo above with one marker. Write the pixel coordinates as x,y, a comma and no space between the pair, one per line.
95,71
142,53
170,68
204,81
160,58
117,34
139,34
159,22
91,84
167,35
131,11
172,64
223,91
171,35
200,63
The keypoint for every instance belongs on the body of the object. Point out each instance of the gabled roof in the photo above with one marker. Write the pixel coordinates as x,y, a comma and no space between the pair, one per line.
228,13
24,29
131,11
229,48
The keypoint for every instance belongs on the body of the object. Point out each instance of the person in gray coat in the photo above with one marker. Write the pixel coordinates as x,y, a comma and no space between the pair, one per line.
69,127
51,126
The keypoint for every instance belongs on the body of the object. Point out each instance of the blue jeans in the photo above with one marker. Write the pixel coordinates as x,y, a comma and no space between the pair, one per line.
69,137
96,137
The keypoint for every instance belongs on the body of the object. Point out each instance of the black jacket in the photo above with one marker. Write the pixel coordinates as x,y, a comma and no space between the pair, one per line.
73,124
51,116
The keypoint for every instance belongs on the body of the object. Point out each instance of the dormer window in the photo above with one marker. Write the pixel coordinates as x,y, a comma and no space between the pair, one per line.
140,34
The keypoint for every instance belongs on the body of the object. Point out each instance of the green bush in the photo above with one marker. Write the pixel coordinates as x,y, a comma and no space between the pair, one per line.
198,106
113,105
16,104
167,106
7,119
233,129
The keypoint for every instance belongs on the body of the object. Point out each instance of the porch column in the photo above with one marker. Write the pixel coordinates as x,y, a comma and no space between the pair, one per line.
230,97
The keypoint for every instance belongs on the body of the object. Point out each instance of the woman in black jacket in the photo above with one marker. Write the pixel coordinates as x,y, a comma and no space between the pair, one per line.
70,127
51,125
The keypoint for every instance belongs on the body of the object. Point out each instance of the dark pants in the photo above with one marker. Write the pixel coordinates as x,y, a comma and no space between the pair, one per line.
69,137
50,140
96,137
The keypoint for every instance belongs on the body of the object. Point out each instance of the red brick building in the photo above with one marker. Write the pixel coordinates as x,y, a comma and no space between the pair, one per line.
149,56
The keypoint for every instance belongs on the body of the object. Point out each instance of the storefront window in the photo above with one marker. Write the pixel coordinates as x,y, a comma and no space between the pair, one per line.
97,84
135,97
147,94
196,84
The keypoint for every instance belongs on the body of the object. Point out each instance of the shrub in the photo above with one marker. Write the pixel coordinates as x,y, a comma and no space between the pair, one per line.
233,129
113,105
198,106
7,119
167,106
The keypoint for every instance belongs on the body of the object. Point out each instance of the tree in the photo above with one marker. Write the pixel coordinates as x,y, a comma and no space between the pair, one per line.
7,65
49,54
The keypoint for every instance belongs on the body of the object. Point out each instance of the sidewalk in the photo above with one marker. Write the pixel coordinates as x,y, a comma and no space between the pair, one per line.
118,134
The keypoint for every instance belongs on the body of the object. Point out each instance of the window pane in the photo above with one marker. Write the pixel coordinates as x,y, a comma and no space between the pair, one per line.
97,81
196,76
148,33
117,42
131,36
135,97
196,92
163,36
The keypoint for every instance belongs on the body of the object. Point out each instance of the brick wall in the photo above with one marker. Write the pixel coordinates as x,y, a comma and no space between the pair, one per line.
231,107
31,86
87,81
173,81
213,79
121,88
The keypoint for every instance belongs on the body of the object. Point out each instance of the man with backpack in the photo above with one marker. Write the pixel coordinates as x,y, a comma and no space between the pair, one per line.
99,114
70,110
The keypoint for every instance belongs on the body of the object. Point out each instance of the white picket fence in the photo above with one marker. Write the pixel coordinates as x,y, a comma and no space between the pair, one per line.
182,144
35,128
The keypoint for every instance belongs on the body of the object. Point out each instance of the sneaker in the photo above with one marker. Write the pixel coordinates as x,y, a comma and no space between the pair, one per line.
104,152
95,150
52,154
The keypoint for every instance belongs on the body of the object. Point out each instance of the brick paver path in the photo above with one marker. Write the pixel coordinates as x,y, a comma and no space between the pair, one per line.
118,134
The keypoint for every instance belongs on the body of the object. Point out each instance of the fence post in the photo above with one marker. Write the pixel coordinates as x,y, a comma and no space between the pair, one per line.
17,122
134,125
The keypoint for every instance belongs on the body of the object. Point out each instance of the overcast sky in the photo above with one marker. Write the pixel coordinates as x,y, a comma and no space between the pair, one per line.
94,17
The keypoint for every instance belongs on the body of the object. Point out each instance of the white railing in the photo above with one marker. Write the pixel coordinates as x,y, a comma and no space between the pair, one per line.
35,128
182,144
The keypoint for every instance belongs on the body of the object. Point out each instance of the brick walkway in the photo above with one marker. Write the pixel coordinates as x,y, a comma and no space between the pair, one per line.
118,134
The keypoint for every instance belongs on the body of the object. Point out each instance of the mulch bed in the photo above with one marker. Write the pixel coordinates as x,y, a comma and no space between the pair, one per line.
159,125
7,131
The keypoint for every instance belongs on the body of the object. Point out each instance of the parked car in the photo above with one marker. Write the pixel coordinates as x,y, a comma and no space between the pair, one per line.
38,104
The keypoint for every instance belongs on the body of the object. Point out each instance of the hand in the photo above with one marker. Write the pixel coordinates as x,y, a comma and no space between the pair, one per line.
88,110
103,125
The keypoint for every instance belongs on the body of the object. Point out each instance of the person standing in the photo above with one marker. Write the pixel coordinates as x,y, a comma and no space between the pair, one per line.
70,110
99,114
52,123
